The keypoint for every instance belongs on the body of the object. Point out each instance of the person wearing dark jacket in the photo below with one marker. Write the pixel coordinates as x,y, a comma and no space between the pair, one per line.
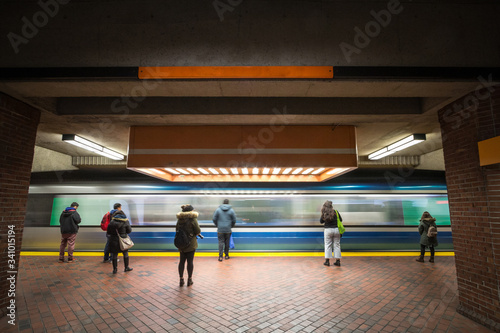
69,222
187,220
224,219
108,256
118,227
332,235
426,221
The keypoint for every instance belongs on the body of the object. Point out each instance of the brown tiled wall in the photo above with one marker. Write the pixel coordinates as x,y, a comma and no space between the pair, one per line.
474,196
18,125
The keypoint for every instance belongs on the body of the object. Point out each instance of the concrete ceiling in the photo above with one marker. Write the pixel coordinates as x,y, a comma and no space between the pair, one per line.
102,110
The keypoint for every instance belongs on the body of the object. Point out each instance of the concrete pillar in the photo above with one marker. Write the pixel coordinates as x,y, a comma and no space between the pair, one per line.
474,197
18,126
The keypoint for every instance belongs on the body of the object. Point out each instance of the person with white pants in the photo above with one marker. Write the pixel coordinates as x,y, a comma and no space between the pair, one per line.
329,218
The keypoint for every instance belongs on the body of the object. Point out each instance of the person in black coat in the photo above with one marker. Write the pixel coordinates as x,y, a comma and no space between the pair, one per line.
69,222
119,225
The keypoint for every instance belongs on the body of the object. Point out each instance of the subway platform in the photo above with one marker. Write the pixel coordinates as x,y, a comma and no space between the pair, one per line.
372,293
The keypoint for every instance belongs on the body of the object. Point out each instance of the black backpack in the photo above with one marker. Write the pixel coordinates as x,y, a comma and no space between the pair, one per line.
182,239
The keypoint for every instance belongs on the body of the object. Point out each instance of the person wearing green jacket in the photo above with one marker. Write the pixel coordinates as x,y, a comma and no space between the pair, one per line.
187,220
427,221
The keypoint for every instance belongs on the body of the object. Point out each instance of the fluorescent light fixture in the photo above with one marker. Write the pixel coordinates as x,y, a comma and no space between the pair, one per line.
318,171
265,171
276,171
397,146
172,171
234,171
182,171
92,146
287,171
296,171
203,171
212,170
158,172
224,171
193,171
307,171
255,171
334,171
244,171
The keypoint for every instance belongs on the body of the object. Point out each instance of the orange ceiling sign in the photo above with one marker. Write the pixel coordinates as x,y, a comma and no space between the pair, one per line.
489,151
242,153
237,72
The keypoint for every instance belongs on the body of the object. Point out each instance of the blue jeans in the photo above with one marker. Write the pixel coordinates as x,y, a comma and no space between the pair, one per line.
107,255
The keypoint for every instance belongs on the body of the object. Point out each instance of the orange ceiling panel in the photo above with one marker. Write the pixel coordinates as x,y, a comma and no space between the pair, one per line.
159,147
237,72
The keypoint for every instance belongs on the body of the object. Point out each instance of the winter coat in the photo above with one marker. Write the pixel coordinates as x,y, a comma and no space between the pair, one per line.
224,218
423,227
118,222
69,221
189,222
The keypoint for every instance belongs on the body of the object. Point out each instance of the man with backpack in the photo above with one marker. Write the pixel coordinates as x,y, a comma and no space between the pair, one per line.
108,257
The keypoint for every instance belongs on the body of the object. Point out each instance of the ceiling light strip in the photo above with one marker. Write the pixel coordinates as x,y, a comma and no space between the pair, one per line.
397,146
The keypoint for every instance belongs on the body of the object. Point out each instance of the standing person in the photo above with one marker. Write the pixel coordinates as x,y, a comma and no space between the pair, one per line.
224,219
187,220
119,225
108,256
329,218
69,222
426,221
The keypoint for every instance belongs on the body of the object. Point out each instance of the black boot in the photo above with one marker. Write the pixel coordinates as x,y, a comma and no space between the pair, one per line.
327,262
420,259
127,269
115,265
337,263
431,259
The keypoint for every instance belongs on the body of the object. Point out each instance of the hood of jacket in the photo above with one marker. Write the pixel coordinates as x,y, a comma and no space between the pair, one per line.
428,220
187,215
68,211
225,207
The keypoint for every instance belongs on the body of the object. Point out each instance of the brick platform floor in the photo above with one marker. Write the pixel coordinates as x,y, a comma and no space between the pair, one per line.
243,294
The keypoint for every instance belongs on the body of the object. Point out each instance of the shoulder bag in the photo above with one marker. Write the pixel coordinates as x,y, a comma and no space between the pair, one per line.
125,243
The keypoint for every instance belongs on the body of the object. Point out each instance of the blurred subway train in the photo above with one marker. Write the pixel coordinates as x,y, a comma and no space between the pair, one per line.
380,211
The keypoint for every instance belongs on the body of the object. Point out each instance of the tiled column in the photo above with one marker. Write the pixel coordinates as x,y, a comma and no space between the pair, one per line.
18,126
474,197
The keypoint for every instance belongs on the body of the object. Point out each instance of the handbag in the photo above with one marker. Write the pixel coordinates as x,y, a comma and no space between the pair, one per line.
231,243
339,224
125,243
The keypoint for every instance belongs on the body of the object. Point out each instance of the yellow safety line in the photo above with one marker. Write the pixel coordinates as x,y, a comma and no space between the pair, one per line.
246,254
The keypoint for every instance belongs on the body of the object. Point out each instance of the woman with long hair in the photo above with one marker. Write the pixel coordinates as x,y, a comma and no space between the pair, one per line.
332,235
427,221
187,220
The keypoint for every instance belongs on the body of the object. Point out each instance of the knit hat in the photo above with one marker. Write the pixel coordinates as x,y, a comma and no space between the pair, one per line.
187,208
